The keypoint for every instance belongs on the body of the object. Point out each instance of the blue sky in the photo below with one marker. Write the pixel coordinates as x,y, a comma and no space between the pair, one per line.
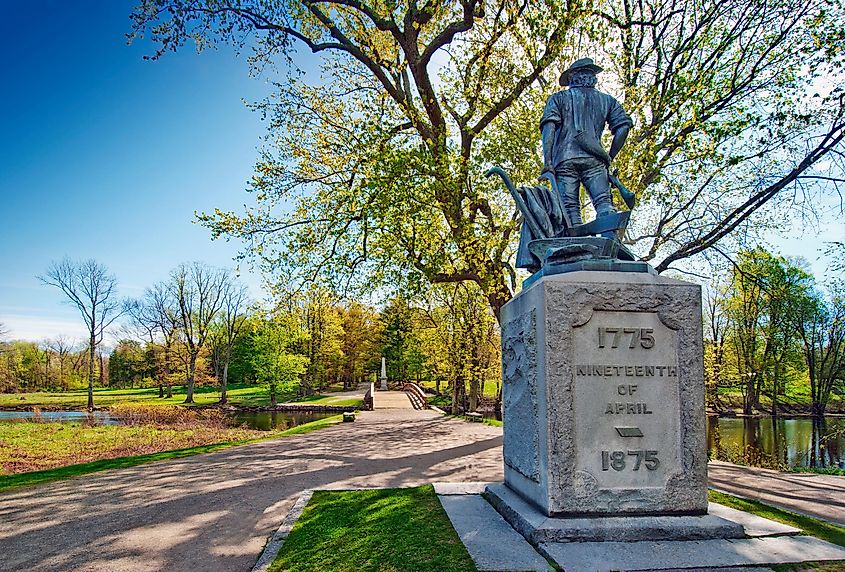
106,156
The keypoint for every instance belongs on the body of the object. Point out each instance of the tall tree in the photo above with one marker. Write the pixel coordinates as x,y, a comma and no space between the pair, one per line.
62,346
739,113
715,330
764,293
360,334
227,328
196,290
381,157
89,287
821,327
275,360
128,364
324,336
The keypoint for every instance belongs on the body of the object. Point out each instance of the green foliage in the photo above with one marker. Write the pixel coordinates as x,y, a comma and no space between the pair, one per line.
376,163
764,295
273,360
774,336
464,346
129,364
382,529
27,366
400,342
820,325
835,471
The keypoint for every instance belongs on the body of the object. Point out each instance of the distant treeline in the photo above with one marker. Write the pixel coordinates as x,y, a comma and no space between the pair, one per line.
302,344
774,341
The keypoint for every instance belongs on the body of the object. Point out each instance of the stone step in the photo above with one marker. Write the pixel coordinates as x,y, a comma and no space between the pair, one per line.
490,541
690,554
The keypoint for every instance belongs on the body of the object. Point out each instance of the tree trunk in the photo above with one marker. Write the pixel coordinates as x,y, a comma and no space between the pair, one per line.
224,380
748,402
167,368
458,394
273,397
189,381
775,383
91,346
160,390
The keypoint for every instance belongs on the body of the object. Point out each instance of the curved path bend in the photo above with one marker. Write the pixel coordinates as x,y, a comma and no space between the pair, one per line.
214,512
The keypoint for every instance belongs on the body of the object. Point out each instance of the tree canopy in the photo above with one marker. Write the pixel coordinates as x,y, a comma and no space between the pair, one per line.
372,171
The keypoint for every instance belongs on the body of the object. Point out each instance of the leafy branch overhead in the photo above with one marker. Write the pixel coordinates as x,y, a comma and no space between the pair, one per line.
371,171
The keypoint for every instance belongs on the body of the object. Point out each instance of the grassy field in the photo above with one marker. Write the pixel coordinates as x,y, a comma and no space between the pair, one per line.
207,395
238,395
27,446
814,527
93,449
797,400
384,530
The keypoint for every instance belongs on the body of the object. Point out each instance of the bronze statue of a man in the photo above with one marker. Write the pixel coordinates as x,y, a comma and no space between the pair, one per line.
572,124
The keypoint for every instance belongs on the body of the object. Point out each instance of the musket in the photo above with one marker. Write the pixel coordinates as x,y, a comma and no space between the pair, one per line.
627,196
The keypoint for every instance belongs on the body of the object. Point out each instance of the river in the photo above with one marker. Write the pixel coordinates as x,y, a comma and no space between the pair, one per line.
261,420
778,443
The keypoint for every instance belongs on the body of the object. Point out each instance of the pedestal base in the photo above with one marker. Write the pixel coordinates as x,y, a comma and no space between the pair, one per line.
538,528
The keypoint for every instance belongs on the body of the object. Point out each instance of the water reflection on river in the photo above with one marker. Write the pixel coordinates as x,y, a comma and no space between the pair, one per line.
267,420
261,420
778,443
93,417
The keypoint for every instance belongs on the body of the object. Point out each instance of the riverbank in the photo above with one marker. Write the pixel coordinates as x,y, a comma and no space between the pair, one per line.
240,397
31,453
33,445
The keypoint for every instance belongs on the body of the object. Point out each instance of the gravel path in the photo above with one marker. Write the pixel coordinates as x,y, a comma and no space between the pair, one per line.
819,496
214,512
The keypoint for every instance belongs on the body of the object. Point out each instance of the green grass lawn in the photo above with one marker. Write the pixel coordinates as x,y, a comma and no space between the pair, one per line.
69,441
385,530
238,395
27,446
252,395
334,400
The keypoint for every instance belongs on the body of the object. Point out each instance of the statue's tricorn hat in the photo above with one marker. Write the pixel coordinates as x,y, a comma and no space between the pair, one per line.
582,64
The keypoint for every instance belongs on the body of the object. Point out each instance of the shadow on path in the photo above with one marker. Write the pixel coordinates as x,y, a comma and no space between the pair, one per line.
819,496
215,511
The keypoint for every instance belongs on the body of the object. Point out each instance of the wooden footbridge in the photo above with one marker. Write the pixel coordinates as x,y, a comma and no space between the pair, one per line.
411,397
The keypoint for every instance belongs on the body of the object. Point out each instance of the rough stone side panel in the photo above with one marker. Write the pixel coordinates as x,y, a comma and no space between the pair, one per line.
559,387
519,395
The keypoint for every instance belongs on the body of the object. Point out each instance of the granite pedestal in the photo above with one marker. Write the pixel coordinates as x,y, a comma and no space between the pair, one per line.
604,403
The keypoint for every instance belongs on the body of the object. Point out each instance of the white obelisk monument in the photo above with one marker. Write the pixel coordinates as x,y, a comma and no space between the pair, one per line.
383,375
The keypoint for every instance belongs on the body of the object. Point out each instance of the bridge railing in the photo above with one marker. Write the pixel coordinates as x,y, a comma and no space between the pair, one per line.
416,394
369,403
